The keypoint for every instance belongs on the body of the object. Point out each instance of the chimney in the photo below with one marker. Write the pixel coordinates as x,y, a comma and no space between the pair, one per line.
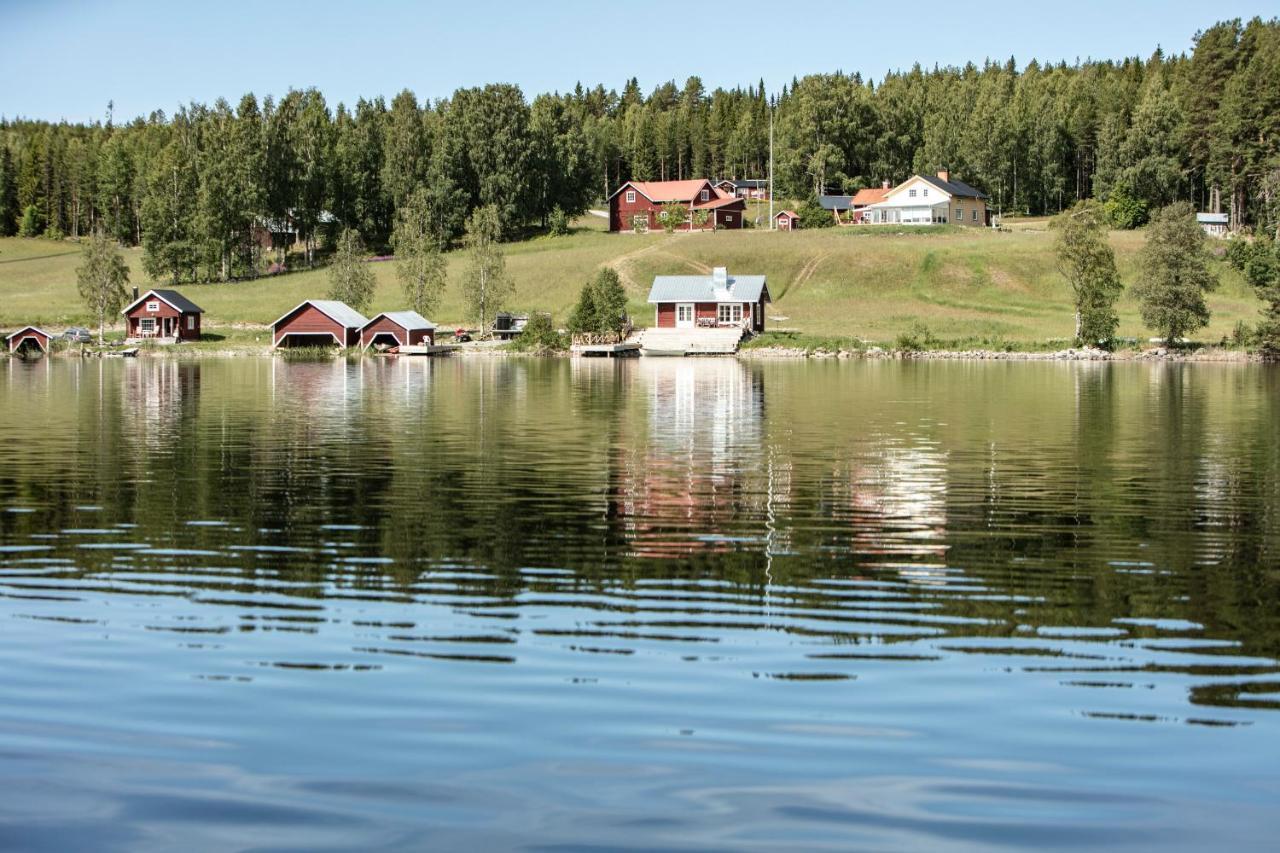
884,185
944,174
135,292
720,277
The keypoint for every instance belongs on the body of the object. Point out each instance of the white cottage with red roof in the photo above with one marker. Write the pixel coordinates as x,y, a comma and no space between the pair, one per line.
637,205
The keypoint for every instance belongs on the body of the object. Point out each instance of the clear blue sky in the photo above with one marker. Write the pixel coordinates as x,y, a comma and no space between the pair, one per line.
63,59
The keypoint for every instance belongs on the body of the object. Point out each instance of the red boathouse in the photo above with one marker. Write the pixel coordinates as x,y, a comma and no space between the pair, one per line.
319,323
162,315
398,329
637,205
28,338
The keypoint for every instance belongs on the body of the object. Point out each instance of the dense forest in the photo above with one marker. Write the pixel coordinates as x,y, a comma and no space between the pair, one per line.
189,187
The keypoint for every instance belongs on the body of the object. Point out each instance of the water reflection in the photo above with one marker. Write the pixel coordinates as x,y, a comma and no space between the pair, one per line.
526,564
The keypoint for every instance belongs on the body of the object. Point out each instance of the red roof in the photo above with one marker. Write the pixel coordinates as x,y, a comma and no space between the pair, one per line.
869,196
664,191
790,213
722,201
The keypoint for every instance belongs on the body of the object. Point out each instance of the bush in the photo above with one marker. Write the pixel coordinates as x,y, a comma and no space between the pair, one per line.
918,339
1239,253
1124,210
558,222
1242,336
812,215
539,336
30,224
602,305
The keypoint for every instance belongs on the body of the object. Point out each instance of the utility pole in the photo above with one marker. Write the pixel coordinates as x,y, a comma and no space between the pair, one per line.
772,223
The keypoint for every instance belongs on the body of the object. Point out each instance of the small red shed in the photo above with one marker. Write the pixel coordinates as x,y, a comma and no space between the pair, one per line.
162,315
398,329
787,220
28,338
319,322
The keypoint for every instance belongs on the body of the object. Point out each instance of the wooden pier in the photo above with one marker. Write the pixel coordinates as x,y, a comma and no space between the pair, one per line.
623,349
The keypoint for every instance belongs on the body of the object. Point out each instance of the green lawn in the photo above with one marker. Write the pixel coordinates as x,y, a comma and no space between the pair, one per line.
867,282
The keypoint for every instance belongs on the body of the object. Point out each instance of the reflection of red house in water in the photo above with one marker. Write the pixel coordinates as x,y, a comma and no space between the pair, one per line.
162,315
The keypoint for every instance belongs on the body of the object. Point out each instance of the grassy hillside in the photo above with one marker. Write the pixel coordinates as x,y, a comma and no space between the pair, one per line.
871,283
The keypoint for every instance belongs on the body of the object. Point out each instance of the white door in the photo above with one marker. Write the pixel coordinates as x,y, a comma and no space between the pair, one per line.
684,315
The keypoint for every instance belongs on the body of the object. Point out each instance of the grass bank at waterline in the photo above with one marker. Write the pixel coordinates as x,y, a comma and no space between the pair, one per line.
976,288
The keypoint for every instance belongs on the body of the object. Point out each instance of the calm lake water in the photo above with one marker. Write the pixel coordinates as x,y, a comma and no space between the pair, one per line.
656,604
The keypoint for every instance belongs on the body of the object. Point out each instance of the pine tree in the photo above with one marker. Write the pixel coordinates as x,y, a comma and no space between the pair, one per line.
169,237
8,193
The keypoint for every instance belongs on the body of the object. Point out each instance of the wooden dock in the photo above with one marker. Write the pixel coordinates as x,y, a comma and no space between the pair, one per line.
421,349
618,350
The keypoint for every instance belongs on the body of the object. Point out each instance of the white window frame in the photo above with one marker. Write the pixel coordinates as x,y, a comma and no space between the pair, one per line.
682,308
153,307
729,312
191,322
959,214
728,218
631,196
911,193
975,214
705,194
925,192
146,325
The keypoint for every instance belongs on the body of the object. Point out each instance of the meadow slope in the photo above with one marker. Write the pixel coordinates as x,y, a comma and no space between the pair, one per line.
870,283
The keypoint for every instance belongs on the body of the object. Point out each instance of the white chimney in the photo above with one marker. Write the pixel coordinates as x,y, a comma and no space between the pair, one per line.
720,276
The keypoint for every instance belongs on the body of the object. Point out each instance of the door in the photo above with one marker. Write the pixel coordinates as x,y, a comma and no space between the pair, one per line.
684,315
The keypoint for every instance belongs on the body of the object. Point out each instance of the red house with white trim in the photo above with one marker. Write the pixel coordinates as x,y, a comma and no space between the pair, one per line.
715,301
637,205
162,315
787,220
319,322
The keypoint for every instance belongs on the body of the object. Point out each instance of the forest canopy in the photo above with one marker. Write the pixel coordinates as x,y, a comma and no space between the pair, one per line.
189,187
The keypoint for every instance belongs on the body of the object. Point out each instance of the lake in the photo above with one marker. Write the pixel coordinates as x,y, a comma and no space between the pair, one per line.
525,604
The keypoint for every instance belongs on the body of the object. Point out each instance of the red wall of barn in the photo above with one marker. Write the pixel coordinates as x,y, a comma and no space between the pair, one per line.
16,342
309,320
385,324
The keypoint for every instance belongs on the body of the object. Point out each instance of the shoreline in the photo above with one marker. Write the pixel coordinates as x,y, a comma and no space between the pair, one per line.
1205,355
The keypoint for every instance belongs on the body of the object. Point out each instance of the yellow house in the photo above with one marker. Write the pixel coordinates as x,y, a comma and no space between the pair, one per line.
929,200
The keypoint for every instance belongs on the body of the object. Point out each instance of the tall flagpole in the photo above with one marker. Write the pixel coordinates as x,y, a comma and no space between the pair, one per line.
772,223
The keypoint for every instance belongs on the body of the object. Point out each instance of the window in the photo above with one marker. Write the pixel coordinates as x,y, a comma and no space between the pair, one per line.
153,307
729,312
959,213
147,326
728,219
684,314
975,214
925,192
911,193
191,322
631,196
706,194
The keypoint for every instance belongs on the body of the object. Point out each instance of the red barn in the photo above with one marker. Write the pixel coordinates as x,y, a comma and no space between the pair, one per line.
28,338
162,315
787,220
319,322
398,329
638,205
711,301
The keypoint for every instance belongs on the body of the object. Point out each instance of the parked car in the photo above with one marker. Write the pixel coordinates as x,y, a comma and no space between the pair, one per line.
77,335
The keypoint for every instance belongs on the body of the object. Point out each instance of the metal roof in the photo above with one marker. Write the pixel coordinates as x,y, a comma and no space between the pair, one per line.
176,300
410,321
705,288
835,202
339,312
745,183
1213,218
662,191
956,189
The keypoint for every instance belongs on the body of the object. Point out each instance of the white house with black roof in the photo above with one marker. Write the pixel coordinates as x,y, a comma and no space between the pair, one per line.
930,200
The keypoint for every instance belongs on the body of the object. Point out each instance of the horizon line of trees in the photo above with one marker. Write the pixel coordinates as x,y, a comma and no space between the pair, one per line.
190,188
